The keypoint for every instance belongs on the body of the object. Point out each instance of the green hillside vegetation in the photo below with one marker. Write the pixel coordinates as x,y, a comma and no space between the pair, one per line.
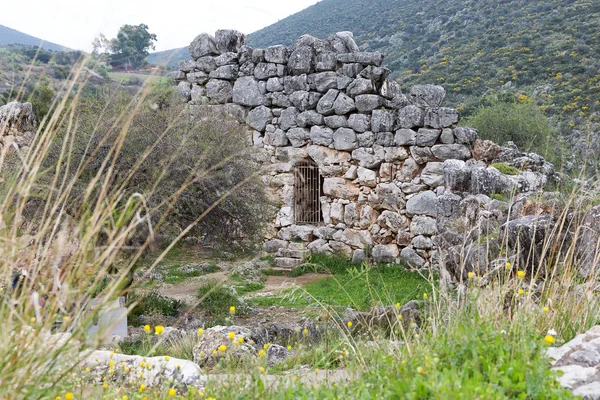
169,58
12,36
545,49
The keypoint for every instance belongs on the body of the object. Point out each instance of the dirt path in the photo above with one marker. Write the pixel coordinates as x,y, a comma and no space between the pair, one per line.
186,291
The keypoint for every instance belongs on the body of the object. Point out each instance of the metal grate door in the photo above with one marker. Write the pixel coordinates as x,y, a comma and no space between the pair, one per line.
307,190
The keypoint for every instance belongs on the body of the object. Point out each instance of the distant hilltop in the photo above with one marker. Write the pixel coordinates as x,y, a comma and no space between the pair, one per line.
12,36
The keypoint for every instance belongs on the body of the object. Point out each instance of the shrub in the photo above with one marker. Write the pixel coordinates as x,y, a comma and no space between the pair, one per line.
506,169
521,123
187,165
216,300
152,303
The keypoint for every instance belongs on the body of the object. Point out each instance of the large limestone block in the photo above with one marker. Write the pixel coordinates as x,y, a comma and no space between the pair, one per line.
326,156
247,93
345,139
340,188
203,45
228,40
422,204
428,95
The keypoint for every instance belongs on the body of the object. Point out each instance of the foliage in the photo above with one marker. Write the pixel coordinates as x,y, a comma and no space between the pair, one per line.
506,169
544,50
130,48
41,99
216,300
152,303
520,123
171,149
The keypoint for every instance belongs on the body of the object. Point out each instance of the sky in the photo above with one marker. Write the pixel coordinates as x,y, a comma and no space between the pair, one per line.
75,23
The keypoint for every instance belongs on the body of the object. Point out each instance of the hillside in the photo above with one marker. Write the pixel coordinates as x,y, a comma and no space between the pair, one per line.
12,36
546,49
169,57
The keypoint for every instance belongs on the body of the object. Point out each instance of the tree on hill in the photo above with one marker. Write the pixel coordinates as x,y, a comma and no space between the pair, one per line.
130,48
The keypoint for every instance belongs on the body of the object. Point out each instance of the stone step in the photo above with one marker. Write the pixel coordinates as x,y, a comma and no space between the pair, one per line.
289,253
289,263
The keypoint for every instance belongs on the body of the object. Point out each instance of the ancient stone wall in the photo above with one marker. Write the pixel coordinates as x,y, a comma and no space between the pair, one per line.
380,153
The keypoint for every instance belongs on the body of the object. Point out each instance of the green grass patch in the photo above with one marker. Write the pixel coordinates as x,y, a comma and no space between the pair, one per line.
216,300
176,274
272,272
506,169
248,288
360,288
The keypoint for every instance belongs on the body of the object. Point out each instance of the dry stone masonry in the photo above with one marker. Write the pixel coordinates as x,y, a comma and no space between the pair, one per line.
381,155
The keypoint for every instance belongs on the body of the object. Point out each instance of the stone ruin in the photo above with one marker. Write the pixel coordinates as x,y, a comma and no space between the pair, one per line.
357,166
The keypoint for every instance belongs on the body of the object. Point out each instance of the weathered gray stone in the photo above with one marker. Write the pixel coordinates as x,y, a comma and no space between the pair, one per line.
433,174
347,39
273,245
277,138
368,102
588,242
409,256
259,117
427,137
340,188
321,135
219,90
421,154
451,151
325,104
526,236
360,86
366,139
184,89
228,58
198,94
365,58
382,121
258,55
447,137
385,253
326,61
323,81
385,139
465,135
205,64
343,82
388,196
442,117
359,256
351,70
278,99
354,238
405,137
395,154
301,60
359,122
427,95
288,118
326,156
422,243
350,214
345,139
301,232
422,225
247,93
203,45
293,84
276,54
369,157
411,116
301,100
187,66
335,121
343,104
422,204
229,40
319,45
265,70
394,221
366,177
298,137
274,85
391,90
309,118
197,77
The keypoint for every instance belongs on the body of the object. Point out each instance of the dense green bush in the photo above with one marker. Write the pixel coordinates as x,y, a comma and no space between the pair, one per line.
521,123
216,300
168,148
151,304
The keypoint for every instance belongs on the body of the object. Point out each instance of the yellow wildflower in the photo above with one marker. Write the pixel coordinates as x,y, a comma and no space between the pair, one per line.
231,335
68,396
425,296
232,310
549,339
222,348
124,397
200,332
105,386
147,328
261,369
266,346
241,340
172,392
289,348
397,305
158,329
261,353
521,274
111,364
142,387
546,309
349,324
87,370
305,331
471,275
214,352
167,358
521,291
507,265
